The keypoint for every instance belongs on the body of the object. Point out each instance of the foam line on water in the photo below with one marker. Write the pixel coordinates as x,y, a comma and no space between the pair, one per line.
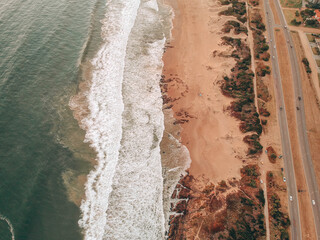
3,218
103,123
136,202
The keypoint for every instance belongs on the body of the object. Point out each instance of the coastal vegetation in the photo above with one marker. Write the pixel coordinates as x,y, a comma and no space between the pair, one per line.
239,85
306,64
236,26
260,45
253,142
279,221
237,9
237,215
231,208
261,55
257,22
272,155
254,2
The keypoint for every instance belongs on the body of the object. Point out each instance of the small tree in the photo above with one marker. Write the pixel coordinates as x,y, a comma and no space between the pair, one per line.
312,22
297,13
295,22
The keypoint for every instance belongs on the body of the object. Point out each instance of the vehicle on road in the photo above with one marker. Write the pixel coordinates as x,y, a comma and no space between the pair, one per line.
284,179
291,198
280,108
273,57
299,98
313,202
298,108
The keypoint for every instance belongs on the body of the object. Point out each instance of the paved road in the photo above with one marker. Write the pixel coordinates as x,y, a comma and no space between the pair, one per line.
301,127
284,131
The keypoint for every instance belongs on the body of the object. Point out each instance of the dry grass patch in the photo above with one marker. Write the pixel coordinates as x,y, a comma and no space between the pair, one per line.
291,3
310,37
290,14
315,51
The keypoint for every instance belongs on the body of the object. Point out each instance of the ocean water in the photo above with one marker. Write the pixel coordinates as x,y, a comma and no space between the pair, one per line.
42,155
81,120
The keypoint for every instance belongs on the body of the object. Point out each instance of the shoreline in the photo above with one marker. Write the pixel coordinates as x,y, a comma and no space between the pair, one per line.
203,120
203,59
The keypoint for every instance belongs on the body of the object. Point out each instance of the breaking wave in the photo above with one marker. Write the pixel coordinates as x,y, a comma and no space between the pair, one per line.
120,107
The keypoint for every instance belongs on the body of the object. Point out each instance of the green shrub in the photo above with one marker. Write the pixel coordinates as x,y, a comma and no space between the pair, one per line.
252,183
295,22
312,23
306,64
260,197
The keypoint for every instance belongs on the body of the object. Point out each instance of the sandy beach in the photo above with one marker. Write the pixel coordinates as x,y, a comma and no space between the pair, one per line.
194,71
197,62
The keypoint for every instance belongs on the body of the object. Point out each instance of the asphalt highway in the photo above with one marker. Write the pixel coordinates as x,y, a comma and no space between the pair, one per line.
284,131
301,127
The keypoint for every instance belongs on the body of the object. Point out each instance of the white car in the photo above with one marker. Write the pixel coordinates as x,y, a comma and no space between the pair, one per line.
313,202
273,57
291,198
284,179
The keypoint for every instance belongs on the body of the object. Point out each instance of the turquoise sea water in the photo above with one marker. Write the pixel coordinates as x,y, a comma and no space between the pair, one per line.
42,154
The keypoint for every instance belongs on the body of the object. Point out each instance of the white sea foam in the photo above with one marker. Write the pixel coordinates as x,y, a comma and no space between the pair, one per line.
135,204
104,122
3,218
124,123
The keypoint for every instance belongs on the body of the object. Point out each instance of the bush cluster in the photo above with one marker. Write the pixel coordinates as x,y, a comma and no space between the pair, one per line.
263,70
253,142
256,19
240,86
312,23
254,2
295,22
237,9
238,28
307,13
306,64
249,222
260,46
279,219
313,5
